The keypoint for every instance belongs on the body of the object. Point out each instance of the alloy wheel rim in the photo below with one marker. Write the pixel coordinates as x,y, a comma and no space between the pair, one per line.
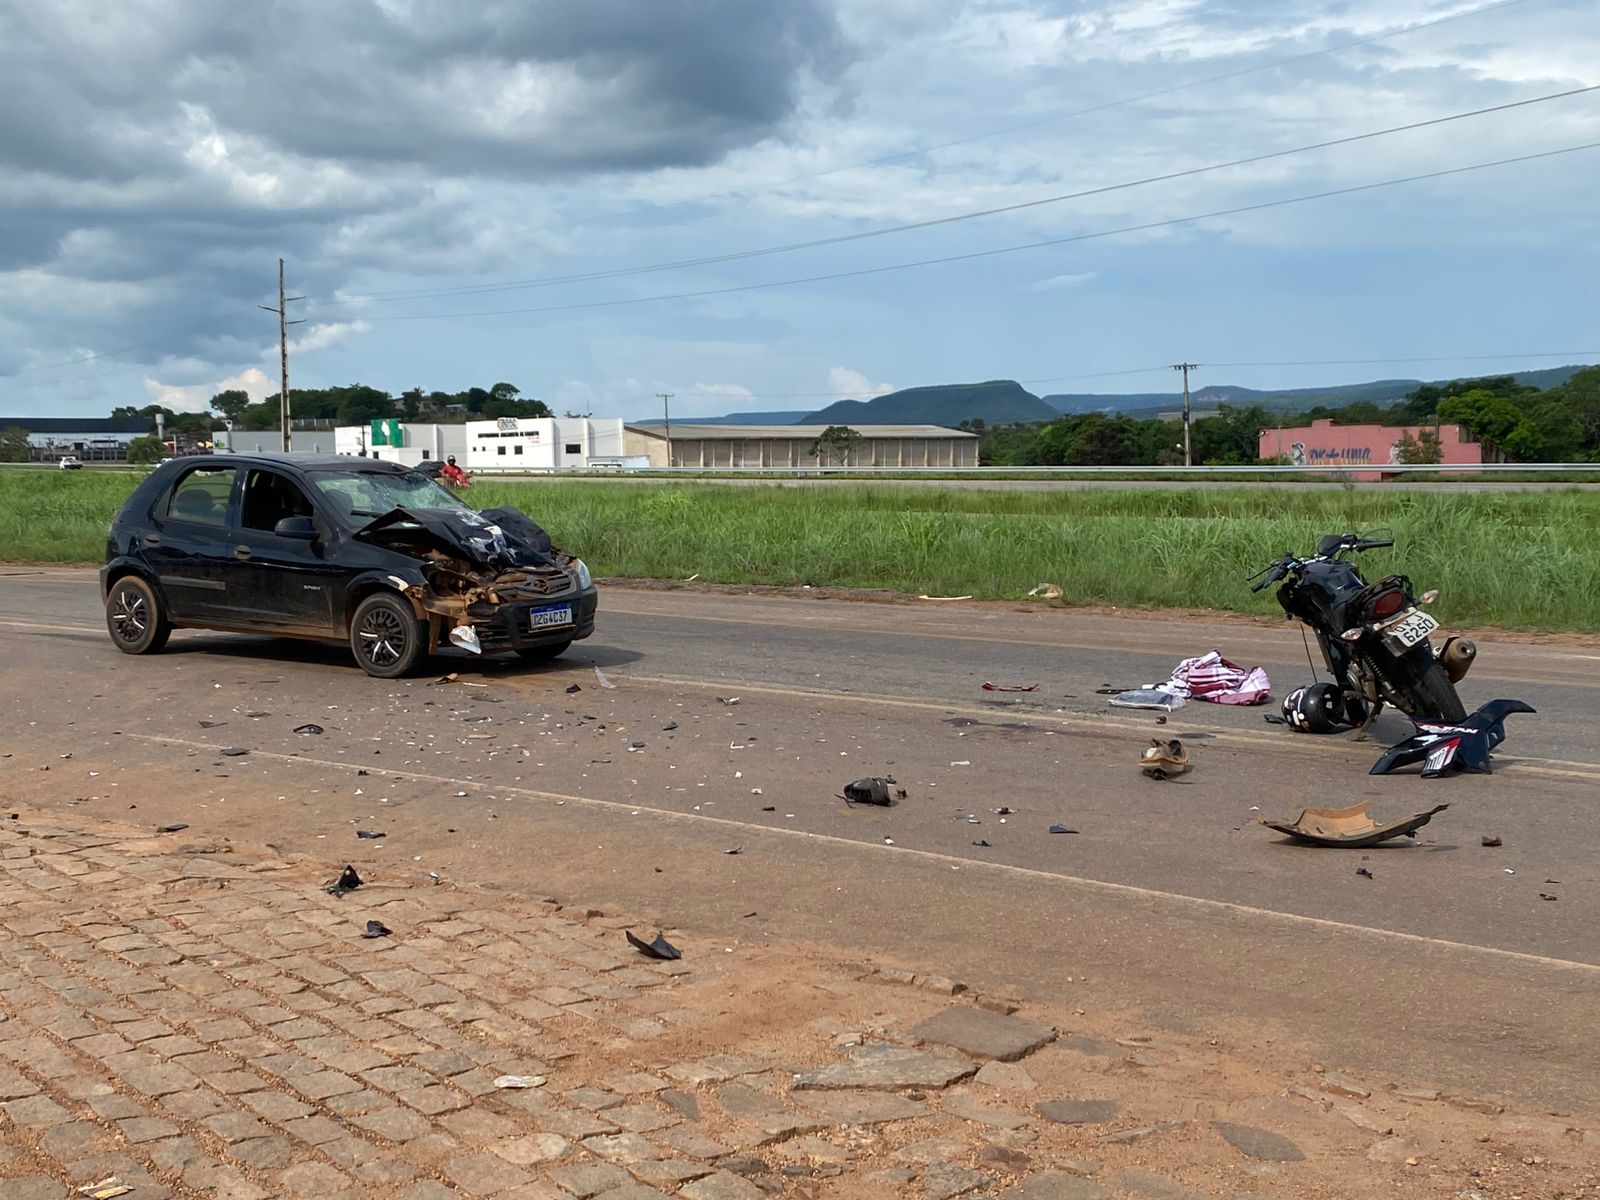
383,637
130,616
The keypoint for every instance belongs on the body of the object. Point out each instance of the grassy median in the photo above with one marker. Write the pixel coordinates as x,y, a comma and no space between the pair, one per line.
1514,559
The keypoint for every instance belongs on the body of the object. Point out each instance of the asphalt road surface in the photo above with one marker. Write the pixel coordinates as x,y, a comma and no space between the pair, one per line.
1445,966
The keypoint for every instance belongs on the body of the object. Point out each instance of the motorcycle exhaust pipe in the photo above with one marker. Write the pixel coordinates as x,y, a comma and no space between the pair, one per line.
1457,657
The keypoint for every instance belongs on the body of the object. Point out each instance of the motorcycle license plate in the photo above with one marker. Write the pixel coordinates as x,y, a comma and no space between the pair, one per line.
1411,627
550,618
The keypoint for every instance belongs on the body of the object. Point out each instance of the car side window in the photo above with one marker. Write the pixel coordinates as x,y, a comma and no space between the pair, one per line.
270,497
201,496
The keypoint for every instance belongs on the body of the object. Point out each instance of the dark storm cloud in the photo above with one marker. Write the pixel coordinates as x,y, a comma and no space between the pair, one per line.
178,146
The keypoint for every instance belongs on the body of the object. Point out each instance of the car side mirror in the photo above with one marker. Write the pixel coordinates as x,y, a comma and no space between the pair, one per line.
296,527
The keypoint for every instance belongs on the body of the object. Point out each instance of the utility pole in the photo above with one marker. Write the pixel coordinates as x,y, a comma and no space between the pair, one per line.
666,409
283,353
1186,367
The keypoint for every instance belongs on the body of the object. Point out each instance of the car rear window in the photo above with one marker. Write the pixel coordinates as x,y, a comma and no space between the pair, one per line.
201,496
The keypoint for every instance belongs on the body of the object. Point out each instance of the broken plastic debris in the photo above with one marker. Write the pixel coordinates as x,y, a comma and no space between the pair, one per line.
635,747
234,751
1148,697
377,929
1061,829
735,850
370,834
572,687
466,637
106,1189
1548,896
175,827
1010,687
211,724
600,678
962,762
1046,591
310,728
868,791
660,948
1364,873
1446,749
1349,827
518,1082
348,881
981,842
769,808
450,678
944,597
1489,841
727,699
669,727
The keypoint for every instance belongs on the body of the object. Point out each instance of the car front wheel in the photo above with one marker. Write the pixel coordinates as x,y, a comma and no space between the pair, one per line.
386,637
134,617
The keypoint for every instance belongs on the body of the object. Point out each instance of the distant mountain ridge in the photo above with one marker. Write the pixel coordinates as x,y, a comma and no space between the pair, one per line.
996,401
1006,402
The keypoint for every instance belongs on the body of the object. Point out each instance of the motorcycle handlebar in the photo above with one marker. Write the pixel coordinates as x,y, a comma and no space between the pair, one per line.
1374,545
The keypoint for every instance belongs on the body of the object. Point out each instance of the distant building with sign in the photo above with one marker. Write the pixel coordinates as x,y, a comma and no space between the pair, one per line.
544,443
711,447
1325,444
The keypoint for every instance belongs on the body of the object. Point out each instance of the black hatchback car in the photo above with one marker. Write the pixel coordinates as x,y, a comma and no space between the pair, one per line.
337,548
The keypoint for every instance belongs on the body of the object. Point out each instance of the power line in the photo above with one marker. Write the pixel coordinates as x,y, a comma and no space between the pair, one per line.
862,235
1081,112
976,254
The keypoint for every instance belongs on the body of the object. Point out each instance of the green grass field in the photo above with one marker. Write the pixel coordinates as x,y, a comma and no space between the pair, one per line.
1513,559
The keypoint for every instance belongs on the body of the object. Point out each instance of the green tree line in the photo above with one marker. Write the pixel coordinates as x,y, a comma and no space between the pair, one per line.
1521,423
354,404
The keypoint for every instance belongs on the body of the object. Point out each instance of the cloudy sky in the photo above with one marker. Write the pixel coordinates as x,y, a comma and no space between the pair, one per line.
563,195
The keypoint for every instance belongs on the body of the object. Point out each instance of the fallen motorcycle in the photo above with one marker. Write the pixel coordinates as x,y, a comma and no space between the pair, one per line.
1374,639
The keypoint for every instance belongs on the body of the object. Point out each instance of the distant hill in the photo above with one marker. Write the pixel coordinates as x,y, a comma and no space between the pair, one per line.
1380,392
997,402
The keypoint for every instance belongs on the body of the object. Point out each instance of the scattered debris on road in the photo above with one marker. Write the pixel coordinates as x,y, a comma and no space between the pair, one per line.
348,881
1349,827
1489,842
669,727
1164,759
1548,896
175,827
944,597
1010,687
600,678
1046,591
660,948
519,1082
727,699
1061,829
233,751
211,724
573,688
735,850
1446,749
982,843
1150,696
868,791
1214,679
309,729
377,929
370,835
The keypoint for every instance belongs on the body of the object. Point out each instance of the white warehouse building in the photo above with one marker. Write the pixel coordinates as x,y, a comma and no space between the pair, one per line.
543,443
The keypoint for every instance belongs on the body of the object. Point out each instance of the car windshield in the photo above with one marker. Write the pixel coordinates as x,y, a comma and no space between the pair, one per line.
362,495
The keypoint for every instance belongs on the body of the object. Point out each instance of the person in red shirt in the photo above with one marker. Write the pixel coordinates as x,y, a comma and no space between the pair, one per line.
453,475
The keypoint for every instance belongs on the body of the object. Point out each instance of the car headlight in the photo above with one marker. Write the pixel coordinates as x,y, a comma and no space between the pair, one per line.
581,568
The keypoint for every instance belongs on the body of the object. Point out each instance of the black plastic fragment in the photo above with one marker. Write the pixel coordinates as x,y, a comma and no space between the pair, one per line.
377,929
1490,842
310,728
660,948
348,881
981,842
769,808
1548,896
573,688
1061,829
234,751
869,791
211,724
175,827
669,727
1364,873
735,850
370,835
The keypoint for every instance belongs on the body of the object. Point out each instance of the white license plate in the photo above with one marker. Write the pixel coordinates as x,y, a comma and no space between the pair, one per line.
1411,628
550,618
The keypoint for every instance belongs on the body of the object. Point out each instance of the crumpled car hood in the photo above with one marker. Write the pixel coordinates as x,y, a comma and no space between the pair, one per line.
494,539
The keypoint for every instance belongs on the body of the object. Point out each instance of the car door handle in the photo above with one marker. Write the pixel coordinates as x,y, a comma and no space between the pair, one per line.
152,539
241,552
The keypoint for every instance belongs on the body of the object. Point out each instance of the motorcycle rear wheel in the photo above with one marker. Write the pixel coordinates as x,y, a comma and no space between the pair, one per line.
1428,691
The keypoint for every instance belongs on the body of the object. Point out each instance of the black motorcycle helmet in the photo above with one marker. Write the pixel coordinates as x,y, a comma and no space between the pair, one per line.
1315,708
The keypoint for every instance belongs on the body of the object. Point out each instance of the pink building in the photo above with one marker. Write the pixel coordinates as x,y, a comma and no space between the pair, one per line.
1324,444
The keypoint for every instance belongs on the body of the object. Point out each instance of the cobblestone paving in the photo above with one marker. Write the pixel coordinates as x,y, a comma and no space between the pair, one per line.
202,1025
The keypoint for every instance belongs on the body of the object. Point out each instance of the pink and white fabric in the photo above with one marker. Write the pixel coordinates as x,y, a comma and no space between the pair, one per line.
1213,678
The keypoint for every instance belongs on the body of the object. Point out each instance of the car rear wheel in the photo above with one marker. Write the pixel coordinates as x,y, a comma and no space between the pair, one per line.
544,654
386,637
134,617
